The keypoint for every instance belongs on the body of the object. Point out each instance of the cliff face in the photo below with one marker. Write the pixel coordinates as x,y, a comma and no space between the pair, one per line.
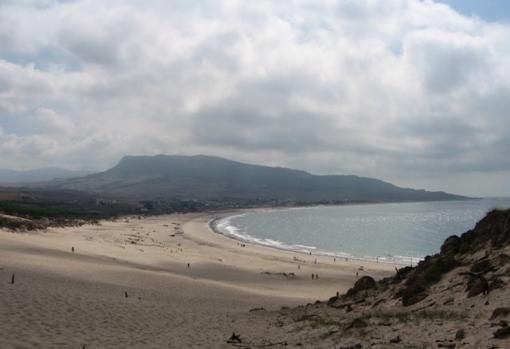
458,298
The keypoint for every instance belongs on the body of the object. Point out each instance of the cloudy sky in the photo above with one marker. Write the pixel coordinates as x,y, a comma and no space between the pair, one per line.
409,91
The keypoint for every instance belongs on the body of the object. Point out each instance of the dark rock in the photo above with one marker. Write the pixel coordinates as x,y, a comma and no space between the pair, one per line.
493,230
395,340
426,273
446,345
401,274
476,285
384,283
332,300
503,332
460,334
481,266
437,267
500,312
413,294
234,338
257,309
451,245
364,283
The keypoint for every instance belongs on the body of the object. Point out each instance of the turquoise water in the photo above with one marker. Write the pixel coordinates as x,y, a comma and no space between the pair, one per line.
394,232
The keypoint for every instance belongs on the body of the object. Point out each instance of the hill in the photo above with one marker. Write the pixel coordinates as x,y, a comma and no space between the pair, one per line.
208,178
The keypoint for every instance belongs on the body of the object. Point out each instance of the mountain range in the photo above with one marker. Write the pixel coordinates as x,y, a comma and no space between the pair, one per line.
201,177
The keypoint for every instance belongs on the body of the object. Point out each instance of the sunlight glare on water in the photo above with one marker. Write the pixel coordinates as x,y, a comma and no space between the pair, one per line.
393,232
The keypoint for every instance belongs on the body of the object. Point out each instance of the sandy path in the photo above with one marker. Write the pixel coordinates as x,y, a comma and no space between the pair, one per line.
64,299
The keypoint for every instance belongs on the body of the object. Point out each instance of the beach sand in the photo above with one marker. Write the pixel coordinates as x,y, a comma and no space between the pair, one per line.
128,284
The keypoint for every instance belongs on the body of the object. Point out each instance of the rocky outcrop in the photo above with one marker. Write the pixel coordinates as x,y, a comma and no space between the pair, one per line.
490,234
456,298
363,284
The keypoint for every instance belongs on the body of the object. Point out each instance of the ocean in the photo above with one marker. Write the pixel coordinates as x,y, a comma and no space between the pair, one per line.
401,233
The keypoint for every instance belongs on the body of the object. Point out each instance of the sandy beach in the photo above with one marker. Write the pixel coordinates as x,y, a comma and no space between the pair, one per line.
156,282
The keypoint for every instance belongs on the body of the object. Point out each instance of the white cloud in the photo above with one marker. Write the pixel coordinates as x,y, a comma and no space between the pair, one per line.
397,89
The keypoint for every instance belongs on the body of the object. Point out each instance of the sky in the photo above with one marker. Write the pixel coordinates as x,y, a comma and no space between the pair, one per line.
413,92
488,10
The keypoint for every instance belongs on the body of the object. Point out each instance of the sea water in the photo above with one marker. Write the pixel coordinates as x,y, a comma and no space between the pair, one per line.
389,232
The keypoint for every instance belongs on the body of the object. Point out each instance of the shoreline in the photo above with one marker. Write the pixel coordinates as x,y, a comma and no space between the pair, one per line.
312,251
152,281
206,247
241,236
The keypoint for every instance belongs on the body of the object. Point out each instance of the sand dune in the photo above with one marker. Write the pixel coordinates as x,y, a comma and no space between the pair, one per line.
65,299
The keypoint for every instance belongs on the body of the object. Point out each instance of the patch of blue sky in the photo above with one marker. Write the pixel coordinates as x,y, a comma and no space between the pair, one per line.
20,124
487,10
45,59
